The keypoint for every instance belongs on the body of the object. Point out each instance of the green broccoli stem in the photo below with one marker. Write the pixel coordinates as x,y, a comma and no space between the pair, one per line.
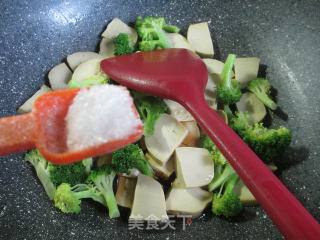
232,180
267,100
144,167
170,28
220,179
112,204
227,71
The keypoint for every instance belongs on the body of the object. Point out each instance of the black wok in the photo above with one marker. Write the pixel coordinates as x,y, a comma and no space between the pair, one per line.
37,35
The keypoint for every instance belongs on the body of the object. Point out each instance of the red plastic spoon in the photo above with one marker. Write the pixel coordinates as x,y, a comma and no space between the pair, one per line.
44,128
180,75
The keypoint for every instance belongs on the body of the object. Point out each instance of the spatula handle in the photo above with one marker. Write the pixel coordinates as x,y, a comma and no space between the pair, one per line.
292,219
17,133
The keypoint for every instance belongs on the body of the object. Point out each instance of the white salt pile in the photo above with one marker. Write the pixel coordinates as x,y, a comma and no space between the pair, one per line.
98,115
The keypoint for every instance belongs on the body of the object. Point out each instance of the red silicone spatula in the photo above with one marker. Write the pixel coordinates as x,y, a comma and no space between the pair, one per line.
44,128
180,75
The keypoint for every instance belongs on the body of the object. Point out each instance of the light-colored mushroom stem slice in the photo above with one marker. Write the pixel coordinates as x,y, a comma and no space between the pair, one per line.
116,26
105,159
77,58
125,191
88,69
161,171
194,167
251,104
223,115
106,48
27,106
210,92
149,200
190,201
193,136
59,76
133,173
177,111
246,69
176,40
168,135
199,37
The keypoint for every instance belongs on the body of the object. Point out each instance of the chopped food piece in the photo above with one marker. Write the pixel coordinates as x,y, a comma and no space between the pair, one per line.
190,201
98,115
149,200
176,40
193,136
122,45
106,48
253,106
125,191
223,115
115,27
199,37
246,69
177,111
59,76
27,106
75,59
161,171
168,135
194,167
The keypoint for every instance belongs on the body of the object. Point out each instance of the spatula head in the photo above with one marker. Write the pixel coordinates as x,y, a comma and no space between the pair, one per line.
167,73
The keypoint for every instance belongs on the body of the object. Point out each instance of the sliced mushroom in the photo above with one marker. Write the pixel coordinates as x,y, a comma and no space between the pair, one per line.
194,167
79,57
176,40
246,69
88,69
125,191
190,201
116,26
106,48
251,104
163,172
27,106
193,136
210,92
223,115
199,37
177,111
59,76
105,159
168,135
149,200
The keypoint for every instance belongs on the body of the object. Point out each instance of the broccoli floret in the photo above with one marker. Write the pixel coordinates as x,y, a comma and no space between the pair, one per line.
215,153
131,156
102,179
42,168
225,202
90,81
152,33
229,89
150,109
266,143
261,88
122,45
68,199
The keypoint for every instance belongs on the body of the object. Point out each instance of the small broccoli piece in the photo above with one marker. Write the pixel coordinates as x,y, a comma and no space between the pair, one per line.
225,202
222,174
122,45
215,153
266,143
261,88
68,199
88,162
131,156
152,33
150,109
90,81
42,168
229,89
102,179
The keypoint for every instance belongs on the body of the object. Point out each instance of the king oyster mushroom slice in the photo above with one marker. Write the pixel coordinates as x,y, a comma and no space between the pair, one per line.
194,167
106,48
125,191
161,171
168,135
59,76
190,201
199,37
27,106
149,200
176,40
177,111
191,140
246,69
251,104
88,69
223,115
77,58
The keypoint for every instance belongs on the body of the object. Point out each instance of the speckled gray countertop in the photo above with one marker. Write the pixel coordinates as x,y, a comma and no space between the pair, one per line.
37,35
